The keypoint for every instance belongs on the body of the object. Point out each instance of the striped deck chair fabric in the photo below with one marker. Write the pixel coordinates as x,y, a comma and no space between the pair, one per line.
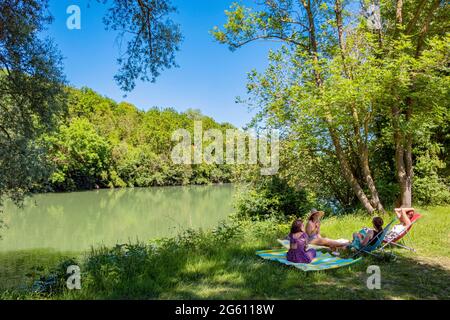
379,241
392,237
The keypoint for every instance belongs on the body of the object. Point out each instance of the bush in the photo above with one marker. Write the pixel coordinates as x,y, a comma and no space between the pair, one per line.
429,188
269,197
141,269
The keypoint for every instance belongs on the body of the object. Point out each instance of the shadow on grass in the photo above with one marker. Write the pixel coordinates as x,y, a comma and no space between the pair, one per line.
242,276
237,273
224,266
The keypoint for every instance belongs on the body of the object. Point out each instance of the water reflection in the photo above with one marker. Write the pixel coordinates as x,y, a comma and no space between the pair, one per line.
75,221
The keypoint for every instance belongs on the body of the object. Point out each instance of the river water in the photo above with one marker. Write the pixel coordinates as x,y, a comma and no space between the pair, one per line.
78,220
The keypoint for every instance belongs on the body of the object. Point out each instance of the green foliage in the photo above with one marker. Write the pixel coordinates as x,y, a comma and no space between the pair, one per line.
270,196
245,24
82,157
429,187
152,38
31,95
54,281
349,104
104,144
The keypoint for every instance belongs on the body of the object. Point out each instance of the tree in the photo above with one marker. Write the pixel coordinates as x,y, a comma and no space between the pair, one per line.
414,23
31,95
81,156
295,23
152,38
102,143
327,87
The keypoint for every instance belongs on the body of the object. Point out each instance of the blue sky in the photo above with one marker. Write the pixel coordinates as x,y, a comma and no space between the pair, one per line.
209,78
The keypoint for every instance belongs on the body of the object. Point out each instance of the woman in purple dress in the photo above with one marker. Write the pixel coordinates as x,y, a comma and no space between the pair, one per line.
298,241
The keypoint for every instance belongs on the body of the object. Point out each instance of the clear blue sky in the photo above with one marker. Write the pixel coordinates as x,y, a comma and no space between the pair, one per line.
209,77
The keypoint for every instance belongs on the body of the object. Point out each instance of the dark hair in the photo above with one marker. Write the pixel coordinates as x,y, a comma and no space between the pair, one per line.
378,224
410,213
297,226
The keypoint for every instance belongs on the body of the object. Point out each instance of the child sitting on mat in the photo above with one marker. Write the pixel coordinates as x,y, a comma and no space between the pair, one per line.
298,240
366,235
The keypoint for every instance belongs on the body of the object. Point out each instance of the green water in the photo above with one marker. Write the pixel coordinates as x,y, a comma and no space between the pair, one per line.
76,221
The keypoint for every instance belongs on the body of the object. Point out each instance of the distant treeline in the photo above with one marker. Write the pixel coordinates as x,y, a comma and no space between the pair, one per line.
101,143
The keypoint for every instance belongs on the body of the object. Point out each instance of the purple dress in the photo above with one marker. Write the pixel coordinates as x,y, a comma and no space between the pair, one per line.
300,254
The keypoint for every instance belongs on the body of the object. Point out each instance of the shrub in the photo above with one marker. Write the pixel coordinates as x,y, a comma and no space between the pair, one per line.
429,188
269,197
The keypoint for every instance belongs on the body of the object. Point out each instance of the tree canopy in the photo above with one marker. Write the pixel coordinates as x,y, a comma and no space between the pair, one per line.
31,94
363,101
102,143
151,38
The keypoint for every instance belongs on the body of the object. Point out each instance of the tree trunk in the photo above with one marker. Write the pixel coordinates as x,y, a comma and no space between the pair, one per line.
364,161
412,23
404,178
347,172
340,30
407,193
403,160
399,13
403,141
426,26
343,162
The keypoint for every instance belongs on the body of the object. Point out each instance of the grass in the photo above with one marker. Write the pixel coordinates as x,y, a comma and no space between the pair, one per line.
19,269
221,264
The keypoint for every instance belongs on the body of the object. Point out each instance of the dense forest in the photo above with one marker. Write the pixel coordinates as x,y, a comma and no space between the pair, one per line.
101,143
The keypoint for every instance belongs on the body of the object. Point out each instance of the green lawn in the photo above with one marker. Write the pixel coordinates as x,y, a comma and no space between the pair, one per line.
222,265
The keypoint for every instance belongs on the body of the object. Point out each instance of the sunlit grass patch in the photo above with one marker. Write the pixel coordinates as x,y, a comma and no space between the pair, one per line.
222,264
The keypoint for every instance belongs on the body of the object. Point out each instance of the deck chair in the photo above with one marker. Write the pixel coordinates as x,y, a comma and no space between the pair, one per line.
372,246
399,239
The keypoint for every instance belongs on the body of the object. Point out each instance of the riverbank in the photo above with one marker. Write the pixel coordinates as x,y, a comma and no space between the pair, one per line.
221,264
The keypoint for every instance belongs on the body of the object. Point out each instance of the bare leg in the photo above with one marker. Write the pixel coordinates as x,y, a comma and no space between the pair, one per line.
328,243
398,212
402,216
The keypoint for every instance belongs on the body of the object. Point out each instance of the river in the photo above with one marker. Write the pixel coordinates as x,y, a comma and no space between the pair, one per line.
78,220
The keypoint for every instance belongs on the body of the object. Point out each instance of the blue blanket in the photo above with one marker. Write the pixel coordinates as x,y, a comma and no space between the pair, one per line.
323,261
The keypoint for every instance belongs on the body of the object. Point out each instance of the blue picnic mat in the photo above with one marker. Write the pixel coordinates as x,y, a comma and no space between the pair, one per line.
323,261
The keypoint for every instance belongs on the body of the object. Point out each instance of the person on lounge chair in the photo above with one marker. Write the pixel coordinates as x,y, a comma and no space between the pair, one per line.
298,240
313,231
404,215
367,236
